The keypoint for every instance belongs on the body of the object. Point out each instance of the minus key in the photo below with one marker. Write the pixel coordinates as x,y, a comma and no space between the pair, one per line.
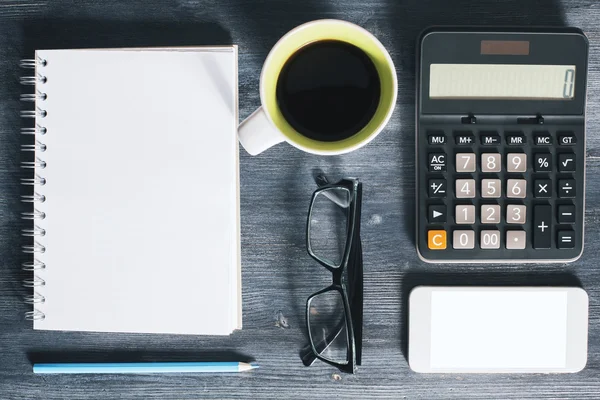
566,214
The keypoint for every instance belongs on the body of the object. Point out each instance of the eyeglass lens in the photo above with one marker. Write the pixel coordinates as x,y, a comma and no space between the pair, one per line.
327,324
328,225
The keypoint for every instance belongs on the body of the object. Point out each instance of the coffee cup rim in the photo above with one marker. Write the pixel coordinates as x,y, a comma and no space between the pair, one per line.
361,138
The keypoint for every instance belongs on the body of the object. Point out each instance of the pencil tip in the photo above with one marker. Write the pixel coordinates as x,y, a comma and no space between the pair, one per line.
254,365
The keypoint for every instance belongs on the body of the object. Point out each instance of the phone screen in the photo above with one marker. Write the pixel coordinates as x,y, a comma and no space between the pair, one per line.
498,329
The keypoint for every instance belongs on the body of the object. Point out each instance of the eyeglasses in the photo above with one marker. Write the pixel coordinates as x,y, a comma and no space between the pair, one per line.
334,314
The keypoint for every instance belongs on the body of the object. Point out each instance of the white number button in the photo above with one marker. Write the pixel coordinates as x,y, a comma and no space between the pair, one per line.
465,188
490,214
491,188
463,240
516,162
516,214
490,239
491,162
465,214
515,240
465,162
516,188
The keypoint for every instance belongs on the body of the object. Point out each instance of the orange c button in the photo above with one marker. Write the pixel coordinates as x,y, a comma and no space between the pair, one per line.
436,240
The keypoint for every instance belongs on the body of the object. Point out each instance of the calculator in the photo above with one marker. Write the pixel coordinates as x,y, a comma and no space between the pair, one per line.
500,145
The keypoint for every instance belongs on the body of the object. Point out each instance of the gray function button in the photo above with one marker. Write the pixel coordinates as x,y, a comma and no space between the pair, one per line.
491,188
516,188
515,139
490,214
465,162
566,139
566,162
516,162
491,162
490,239
543,138
437,162
465,214
516,214
515,240
463,239
465,188
437,138
464,138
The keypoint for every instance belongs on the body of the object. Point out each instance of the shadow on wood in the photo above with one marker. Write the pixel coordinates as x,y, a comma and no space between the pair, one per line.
82,33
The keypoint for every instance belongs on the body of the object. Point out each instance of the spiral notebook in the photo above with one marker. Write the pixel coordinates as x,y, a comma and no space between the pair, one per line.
136,193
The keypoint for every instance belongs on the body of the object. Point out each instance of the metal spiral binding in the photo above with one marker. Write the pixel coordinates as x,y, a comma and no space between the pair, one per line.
34,232
34,97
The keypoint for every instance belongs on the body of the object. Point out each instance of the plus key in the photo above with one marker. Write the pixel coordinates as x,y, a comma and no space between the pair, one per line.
542,230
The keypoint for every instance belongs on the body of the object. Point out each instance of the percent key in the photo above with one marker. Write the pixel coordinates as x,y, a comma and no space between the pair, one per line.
543,162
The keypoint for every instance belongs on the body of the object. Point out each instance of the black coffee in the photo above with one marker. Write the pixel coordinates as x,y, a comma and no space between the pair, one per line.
328,90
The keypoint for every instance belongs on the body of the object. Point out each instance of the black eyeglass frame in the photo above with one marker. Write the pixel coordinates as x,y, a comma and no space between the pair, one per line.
352,261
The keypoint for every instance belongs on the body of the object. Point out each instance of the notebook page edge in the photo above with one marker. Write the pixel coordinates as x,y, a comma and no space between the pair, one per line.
238,260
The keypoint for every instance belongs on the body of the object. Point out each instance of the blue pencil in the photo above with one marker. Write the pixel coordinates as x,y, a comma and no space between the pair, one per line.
142,367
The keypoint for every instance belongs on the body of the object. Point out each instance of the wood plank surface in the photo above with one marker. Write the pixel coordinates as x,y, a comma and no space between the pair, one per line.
277,273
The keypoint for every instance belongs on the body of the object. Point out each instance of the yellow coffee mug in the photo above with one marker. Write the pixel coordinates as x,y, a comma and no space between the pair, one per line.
267,126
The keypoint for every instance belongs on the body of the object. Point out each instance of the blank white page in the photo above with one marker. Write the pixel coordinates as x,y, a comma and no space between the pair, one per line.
142,226
498,329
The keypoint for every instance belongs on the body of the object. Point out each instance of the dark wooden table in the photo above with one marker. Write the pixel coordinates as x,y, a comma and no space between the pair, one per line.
276,186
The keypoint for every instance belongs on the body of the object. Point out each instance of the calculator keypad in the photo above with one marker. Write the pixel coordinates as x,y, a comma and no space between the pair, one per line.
508,193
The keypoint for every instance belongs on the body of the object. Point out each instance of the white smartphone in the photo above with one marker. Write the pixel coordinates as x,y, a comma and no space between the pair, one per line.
497,329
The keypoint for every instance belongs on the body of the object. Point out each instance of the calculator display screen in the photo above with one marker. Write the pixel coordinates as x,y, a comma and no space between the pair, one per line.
502,81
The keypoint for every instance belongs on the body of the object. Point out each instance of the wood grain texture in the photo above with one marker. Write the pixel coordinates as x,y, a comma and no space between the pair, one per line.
276,187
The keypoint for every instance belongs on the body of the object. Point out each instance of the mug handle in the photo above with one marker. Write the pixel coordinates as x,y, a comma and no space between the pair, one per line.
257,134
